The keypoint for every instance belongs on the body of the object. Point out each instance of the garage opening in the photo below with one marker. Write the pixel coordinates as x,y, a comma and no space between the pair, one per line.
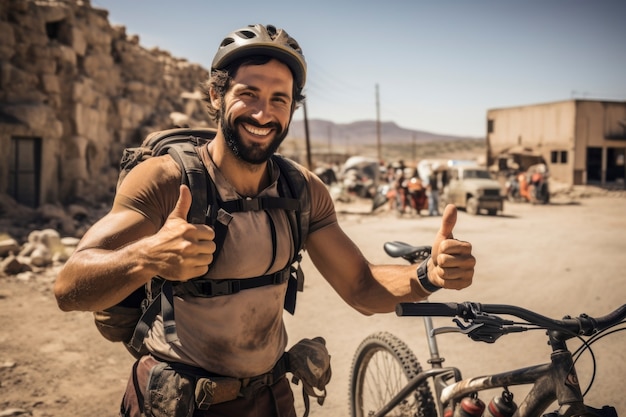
615,169
594,165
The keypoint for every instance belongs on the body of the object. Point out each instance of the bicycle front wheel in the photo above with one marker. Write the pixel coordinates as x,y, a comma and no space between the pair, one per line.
382,366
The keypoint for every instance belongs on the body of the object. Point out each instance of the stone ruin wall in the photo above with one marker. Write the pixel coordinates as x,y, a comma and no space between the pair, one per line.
88,90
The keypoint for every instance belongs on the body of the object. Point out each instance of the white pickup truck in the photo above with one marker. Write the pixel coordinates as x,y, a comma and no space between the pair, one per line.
472,188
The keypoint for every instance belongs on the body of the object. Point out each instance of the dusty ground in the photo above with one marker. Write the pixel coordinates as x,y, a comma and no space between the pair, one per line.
564,258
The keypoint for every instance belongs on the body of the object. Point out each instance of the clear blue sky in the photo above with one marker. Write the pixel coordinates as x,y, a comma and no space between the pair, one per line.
439,65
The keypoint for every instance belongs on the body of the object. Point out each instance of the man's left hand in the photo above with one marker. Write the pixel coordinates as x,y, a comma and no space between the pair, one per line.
452,263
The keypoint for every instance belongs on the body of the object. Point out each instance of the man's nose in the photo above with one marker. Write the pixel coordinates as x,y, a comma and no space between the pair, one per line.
262,111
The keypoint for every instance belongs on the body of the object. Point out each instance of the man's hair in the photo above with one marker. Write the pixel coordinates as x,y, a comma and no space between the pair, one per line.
221,80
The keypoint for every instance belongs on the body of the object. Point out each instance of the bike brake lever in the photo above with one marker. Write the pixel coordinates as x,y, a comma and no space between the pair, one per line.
483,328
460,329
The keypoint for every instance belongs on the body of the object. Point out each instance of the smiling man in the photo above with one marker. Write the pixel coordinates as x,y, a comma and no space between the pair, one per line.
229,358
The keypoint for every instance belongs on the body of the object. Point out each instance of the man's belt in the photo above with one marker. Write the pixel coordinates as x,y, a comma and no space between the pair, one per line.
219,389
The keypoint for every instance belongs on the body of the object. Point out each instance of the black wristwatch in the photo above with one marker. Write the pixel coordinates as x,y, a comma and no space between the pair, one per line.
422,277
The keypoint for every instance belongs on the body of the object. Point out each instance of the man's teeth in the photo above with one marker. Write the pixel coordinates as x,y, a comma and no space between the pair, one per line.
257,131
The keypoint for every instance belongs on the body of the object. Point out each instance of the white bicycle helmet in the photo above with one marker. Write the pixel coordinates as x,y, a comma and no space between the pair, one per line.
262,40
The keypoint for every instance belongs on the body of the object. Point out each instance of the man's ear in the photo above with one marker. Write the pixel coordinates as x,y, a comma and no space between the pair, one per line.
216,100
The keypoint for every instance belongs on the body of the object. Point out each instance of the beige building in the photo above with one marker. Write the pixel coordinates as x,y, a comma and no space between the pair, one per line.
581,141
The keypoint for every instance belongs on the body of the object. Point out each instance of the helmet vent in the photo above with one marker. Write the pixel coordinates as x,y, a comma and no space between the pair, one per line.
246,34
226,42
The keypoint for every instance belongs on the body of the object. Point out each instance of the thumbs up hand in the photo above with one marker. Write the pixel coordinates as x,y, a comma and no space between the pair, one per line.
182,250
452,263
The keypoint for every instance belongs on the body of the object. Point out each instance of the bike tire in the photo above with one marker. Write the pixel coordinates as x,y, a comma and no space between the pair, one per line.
382,365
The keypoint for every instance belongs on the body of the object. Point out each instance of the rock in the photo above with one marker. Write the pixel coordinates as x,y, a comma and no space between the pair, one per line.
41,256
11,265
8,246
70,242
51,239
14,412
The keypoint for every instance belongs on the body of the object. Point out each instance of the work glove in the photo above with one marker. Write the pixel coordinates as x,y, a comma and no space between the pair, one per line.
309,362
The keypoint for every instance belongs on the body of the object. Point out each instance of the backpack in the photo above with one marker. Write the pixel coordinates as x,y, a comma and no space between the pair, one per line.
130,320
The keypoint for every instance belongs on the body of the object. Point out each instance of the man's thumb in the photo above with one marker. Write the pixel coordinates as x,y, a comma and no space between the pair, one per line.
448,221
183,204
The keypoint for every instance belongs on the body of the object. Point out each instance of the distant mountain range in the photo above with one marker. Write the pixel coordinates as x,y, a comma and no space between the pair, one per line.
364,133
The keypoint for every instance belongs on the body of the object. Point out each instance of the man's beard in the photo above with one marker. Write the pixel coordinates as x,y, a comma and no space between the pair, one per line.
254,154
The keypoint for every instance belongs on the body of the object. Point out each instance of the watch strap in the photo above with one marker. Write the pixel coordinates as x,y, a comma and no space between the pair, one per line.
422,277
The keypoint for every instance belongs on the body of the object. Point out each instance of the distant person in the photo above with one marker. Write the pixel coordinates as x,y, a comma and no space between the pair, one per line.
400,186
230,359
416,190
433,194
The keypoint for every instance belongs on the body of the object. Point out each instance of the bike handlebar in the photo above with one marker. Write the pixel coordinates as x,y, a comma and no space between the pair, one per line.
486,324
476,312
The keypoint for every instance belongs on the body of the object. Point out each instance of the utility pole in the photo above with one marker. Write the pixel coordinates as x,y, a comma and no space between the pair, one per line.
378,145
330,145
306,136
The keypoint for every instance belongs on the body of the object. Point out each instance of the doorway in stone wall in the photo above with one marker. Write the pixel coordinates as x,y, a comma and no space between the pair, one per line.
25,170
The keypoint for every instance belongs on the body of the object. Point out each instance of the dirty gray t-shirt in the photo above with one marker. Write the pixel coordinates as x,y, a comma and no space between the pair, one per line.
242,334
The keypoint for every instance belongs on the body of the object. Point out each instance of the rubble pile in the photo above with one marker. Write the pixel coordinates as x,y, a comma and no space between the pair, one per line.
34,240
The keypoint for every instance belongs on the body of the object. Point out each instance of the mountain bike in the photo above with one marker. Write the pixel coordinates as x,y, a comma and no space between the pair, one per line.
388,380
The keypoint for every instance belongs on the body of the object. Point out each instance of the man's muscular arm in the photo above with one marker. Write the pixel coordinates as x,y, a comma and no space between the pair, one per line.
123,251
378,288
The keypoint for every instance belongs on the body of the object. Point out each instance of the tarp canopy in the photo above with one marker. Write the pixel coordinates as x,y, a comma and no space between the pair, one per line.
363,165
355,162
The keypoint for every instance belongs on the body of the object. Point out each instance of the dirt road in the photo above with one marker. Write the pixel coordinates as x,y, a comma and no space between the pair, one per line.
564,258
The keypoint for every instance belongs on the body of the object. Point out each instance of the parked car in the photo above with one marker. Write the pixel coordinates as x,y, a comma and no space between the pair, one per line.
472,188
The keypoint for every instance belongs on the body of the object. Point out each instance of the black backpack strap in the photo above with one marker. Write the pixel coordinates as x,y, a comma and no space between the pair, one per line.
163,303
293,185
194,175
144,324
217,217
159,300
208,288
261,203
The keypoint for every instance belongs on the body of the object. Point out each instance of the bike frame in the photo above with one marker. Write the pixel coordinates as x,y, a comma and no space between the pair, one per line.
554,381
549,382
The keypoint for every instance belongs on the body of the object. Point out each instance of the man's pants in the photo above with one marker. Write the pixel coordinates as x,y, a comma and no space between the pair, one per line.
276,400
433,203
